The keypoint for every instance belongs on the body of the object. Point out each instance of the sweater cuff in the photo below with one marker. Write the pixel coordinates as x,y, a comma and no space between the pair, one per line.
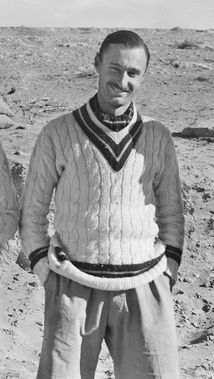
174,253
38,254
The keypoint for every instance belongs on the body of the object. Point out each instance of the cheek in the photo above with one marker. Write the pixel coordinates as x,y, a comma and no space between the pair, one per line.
110,76
137,84
105,78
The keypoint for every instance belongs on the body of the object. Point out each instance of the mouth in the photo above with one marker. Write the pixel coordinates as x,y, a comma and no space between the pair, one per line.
117,90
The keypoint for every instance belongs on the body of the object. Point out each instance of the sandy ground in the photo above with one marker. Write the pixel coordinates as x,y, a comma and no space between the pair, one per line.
45,72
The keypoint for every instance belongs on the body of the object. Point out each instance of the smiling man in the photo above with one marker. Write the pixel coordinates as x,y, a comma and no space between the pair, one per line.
109,268
121,70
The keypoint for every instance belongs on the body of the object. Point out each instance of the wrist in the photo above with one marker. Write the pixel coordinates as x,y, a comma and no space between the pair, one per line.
172,269
37,255
39,265
173,253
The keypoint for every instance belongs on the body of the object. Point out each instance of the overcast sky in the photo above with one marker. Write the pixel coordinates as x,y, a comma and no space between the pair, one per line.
108,13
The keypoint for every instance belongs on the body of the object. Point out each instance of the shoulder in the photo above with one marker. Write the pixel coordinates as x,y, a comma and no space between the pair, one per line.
56,130
58,124
155,127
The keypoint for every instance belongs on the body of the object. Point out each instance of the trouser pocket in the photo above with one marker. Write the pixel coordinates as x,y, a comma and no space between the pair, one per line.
170,280
47,279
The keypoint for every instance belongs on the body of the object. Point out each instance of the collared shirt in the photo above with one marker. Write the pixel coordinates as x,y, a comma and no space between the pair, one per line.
115,123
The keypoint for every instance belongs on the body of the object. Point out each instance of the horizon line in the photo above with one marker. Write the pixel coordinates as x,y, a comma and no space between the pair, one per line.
107,27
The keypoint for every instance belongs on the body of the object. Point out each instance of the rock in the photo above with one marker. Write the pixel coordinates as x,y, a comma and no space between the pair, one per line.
202,79
206,196
201,128
5,110
18,173
175,64
33,284
39,323
195,132
201,66
186,280
63,45
203,278
20,127
176,29
5,121
87,71
186,45
17,152
12,90
198,337
23,261
206,308
179,292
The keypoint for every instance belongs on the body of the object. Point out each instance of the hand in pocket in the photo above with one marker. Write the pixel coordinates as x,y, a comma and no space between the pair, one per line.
42,269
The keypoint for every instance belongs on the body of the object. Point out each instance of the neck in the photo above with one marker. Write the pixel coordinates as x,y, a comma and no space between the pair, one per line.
109,109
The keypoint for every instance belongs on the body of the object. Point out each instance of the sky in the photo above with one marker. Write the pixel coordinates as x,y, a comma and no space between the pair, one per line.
193,14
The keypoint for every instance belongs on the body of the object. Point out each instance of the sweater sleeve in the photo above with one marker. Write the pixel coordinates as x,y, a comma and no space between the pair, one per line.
8,202
169,208
41,180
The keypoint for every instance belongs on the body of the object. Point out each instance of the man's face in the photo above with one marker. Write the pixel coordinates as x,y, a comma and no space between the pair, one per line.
121,72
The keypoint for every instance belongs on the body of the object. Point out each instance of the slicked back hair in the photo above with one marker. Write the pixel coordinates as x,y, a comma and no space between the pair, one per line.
128,38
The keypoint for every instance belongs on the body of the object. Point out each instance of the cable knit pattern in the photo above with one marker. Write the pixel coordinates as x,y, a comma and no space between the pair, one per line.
8,203
103,216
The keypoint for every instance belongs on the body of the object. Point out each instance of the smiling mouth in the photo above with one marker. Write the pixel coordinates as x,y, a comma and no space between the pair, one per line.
117,90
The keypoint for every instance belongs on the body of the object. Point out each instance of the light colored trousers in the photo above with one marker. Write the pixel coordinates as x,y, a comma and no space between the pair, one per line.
137,325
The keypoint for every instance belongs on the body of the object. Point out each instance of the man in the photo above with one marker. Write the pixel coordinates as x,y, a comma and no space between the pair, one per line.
118,228
8,202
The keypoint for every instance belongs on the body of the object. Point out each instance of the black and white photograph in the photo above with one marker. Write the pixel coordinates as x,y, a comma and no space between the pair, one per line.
106,189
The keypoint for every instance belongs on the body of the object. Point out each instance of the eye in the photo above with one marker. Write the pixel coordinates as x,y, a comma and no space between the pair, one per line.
115,69
132,73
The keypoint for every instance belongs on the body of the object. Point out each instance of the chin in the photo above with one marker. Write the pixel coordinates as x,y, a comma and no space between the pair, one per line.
120,102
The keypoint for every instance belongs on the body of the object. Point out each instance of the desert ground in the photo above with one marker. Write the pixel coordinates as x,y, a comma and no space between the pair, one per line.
45,72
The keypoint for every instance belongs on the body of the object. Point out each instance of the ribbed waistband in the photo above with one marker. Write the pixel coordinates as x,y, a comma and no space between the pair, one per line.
116,271
107,276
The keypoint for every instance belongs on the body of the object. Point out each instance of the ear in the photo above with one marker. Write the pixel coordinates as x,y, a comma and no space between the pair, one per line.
97,62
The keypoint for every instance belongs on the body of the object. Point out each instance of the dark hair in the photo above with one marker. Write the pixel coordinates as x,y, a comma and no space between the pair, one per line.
126,37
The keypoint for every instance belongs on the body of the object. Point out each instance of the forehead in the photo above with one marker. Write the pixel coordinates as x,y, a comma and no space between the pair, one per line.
125,56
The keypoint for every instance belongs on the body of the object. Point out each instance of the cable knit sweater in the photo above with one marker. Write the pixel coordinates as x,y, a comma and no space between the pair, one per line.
117,197
8,203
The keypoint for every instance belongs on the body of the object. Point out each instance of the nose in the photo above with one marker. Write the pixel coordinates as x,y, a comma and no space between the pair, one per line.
124,81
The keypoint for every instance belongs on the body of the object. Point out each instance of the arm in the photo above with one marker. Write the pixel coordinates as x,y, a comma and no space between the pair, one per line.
8,201
169,209
41,180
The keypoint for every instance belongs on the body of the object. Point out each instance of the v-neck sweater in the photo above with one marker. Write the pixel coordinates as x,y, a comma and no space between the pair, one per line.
117,197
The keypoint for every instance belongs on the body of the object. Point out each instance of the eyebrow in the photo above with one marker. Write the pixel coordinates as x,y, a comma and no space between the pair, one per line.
129,69
115,64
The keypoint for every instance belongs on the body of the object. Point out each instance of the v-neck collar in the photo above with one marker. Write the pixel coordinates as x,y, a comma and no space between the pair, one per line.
115,153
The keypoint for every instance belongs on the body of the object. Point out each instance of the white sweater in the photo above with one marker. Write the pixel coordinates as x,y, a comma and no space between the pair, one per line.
114,202
8,203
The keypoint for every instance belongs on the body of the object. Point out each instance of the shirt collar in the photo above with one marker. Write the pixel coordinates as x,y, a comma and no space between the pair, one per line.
115,123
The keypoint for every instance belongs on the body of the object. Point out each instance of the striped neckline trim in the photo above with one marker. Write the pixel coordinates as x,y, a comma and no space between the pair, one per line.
114,123
116,154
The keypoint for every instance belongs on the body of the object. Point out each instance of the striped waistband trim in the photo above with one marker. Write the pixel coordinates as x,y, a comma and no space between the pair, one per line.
68,270
116,271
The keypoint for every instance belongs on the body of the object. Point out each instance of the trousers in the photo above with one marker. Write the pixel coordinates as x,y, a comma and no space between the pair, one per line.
137,325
